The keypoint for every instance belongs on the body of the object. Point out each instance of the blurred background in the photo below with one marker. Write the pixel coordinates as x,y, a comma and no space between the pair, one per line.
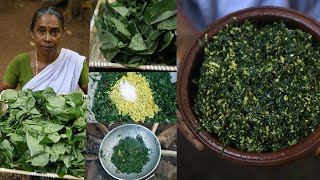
193,16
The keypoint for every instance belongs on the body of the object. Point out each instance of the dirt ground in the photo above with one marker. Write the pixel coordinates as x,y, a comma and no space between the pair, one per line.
15,38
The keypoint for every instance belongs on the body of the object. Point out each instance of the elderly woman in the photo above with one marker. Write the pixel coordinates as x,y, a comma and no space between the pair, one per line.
48,65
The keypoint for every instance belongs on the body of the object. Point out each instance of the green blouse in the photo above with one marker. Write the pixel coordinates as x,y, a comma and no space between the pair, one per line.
19,71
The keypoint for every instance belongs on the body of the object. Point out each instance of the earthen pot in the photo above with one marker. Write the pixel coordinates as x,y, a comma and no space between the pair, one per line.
190,67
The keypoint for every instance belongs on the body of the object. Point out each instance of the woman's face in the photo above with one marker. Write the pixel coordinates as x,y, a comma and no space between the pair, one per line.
47,34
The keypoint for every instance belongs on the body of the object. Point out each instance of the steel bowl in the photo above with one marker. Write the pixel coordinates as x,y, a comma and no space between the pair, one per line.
129,130
192,62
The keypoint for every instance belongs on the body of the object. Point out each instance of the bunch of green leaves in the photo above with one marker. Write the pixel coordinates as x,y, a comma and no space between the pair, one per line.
160,83
259,86
130,155
136,32
43,132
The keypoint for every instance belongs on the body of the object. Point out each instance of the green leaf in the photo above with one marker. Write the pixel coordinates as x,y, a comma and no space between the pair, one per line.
56,101
160,11
14,138
7,147
41,159
25,102
167,40
75,97
22,114
58,148
74,112
49,92
34,110
79,136
54,157
69,133
154,35
67,161
152,46
137,43
132,27
20,147
119,8
80,124
61,171
51,128
169,24
78,155
33,130
110,38
51,138
120,26
9,95
109,54
34,145
55,137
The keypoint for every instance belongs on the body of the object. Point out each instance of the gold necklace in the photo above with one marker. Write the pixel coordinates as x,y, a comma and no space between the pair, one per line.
36,56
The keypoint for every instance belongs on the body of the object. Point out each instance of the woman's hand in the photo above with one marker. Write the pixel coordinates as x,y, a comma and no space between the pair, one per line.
182,126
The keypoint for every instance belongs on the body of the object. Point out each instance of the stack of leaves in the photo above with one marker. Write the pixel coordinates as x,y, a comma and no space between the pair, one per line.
136,32
43,132
259,87
164,95
130,155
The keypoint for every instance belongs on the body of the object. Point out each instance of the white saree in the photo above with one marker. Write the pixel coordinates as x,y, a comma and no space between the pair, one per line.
62,75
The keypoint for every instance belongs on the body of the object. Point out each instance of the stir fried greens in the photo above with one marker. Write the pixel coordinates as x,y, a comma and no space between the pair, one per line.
43,132
130,155
259,86
136,32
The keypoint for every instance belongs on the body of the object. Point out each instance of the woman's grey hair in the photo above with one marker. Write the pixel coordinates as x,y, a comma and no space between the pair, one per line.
50,10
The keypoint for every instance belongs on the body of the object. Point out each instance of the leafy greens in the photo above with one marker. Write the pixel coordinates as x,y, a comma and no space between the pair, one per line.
43,132
258,88
130,155
136,32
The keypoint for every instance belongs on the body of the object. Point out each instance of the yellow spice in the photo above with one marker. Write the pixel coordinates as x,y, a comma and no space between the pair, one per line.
143,106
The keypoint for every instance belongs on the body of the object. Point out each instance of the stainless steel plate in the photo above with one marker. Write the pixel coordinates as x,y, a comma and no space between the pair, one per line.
129,130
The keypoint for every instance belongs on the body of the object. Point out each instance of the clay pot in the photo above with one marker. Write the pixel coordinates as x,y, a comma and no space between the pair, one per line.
190,67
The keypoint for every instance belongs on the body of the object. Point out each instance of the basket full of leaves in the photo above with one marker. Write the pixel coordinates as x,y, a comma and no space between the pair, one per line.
137,32
43,132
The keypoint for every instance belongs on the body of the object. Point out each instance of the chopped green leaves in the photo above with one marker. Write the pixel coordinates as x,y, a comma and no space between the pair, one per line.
259,88
164,95
130,155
